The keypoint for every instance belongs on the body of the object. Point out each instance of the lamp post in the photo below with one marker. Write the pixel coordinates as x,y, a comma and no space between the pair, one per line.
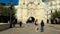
47,7
11,13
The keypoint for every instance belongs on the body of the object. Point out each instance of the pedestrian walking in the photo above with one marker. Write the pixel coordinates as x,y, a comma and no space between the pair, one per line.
36,24
51,21
14,22
20,23
42,26
47,20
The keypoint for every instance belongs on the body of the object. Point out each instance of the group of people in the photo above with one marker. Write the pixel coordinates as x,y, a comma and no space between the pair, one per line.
15,22
42,25
35,22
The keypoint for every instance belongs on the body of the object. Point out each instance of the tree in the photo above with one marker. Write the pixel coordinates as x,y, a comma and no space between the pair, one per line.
5,12
56,16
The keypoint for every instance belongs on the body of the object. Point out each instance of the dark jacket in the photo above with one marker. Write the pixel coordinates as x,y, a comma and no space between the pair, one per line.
42,23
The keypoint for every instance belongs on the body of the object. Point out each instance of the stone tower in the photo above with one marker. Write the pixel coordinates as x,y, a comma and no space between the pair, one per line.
31,8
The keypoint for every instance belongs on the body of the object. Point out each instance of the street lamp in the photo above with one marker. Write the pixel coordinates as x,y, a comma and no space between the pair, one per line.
47,8
11,13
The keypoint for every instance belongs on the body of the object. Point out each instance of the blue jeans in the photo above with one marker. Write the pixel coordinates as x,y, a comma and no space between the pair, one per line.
42,28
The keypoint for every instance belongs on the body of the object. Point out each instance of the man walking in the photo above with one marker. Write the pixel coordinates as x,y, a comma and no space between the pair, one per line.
20,23
42,26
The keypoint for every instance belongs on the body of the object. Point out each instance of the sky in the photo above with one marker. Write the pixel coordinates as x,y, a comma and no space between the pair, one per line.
42,0
14,2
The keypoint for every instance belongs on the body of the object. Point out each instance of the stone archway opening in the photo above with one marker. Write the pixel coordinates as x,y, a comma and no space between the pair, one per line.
30,20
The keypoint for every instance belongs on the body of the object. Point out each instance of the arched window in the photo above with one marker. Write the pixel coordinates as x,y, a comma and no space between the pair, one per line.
51,11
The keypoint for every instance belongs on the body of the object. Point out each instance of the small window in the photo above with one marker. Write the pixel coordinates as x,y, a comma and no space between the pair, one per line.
38,3
51,11
23,3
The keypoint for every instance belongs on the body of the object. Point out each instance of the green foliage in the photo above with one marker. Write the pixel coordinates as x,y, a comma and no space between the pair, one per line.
5,10
55,14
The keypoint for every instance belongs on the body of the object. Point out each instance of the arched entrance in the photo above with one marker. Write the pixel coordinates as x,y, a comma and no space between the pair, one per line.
31,9
30,20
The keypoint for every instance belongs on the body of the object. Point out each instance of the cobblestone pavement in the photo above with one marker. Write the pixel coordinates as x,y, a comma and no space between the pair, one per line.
31,29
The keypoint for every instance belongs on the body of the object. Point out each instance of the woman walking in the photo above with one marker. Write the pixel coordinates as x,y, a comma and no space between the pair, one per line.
42,26
36,24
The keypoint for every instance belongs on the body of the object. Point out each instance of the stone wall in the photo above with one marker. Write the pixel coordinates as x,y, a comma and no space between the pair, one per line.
4,26
31,9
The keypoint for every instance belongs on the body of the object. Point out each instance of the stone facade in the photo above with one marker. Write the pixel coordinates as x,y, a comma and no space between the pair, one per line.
31,8
52,5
